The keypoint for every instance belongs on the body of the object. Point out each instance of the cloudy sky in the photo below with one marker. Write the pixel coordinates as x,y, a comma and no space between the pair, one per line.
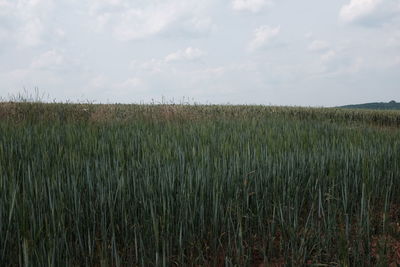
279,52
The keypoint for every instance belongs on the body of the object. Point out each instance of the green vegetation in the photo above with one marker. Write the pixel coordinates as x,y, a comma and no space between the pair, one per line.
392,105
175,185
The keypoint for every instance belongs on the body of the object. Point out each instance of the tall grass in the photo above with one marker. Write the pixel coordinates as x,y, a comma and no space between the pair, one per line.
197,185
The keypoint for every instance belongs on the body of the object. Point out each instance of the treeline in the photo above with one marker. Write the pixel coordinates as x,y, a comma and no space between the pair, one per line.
392,105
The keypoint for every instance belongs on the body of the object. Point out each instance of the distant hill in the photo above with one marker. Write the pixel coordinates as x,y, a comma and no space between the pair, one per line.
392,105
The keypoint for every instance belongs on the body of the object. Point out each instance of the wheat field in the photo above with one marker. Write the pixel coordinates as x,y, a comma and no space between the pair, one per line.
193,185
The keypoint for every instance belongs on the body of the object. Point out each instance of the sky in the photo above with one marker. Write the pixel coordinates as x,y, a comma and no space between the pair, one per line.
269,52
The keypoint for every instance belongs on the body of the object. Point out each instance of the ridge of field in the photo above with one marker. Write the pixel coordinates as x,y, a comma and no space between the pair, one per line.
65,112
177,185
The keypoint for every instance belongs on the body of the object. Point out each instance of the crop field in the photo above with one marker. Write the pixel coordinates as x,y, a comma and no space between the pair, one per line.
192,185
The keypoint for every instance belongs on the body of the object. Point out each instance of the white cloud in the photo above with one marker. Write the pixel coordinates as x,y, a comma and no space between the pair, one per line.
153,65
48,60
370,12
26,20
328,56
318,46
101,6
394,40
250,5
5,7
136,24
70,47
51,61
156,66
188,54
98,82
31,33
358,9
128,86
50,70
396,61
130,83
131,21
262,37
214,70
199,25
109,90
59,33
308,35
4,34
